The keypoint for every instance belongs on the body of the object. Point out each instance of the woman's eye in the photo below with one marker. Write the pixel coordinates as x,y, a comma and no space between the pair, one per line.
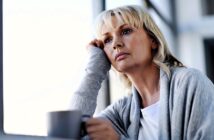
107,40
126,31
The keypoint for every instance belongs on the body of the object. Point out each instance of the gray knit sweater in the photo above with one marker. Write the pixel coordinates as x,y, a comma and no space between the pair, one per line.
186,102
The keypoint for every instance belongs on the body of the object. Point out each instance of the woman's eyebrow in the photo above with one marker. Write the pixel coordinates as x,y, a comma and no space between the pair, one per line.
105,34
120,27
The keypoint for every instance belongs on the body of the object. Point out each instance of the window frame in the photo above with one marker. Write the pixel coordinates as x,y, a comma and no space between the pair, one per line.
207,9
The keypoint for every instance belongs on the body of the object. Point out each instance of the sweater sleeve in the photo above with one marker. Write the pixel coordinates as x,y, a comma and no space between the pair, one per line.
196,104
85,96
117,114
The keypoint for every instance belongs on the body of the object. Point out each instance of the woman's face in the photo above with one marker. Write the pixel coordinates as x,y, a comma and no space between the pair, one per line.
127,47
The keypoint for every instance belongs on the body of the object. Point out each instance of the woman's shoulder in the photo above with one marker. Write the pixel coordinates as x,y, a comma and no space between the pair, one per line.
188,83
118,107
187,75
123,101
186,72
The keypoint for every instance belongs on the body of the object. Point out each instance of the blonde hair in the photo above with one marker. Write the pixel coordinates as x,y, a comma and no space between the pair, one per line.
135,16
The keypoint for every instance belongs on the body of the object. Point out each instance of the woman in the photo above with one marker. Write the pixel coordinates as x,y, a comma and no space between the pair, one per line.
168,100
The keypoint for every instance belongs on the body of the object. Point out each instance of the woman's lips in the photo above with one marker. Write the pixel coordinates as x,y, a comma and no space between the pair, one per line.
120,56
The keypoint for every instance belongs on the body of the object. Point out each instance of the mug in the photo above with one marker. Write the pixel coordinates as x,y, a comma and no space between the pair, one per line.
66,124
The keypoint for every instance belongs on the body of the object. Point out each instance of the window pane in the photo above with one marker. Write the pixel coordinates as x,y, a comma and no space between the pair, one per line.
209,50
208,7
43,51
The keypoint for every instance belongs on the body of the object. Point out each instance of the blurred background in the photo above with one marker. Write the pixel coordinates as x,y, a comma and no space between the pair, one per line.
44,51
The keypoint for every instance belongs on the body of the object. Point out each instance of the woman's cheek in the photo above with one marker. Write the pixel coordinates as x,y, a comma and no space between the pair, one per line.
109,54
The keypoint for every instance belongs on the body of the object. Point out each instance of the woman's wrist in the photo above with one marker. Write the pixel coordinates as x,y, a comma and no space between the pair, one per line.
97,62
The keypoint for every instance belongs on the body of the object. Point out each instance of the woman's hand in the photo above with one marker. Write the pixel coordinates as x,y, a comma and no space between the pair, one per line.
96,43
99,129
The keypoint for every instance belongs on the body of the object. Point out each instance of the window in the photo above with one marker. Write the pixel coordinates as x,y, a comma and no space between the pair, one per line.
43,51
208,7
209,50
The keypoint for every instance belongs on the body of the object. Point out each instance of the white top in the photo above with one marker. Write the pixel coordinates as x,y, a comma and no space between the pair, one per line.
149,122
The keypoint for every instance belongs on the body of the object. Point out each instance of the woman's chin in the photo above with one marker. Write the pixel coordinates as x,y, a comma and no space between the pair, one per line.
122,68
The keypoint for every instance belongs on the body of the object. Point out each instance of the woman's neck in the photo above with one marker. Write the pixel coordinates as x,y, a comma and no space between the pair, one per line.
146,82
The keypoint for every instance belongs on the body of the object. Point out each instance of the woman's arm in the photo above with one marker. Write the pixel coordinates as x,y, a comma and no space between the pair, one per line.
85,97
110,123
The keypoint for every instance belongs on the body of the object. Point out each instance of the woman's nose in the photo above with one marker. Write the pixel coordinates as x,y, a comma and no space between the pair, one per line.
117,44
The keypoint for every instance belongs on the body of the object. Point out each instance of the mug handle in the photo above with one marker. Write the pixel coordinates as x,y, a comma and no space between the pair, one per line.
83,125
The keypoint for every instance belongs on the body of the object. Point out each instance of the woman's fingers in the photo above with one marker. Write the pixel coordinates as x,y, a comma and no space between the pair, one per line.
95,125
101,129
96,43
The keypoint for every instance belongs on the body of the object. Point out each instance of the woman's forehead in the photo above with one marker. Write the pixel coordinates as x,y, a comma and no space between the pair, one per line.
113,24
114,19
